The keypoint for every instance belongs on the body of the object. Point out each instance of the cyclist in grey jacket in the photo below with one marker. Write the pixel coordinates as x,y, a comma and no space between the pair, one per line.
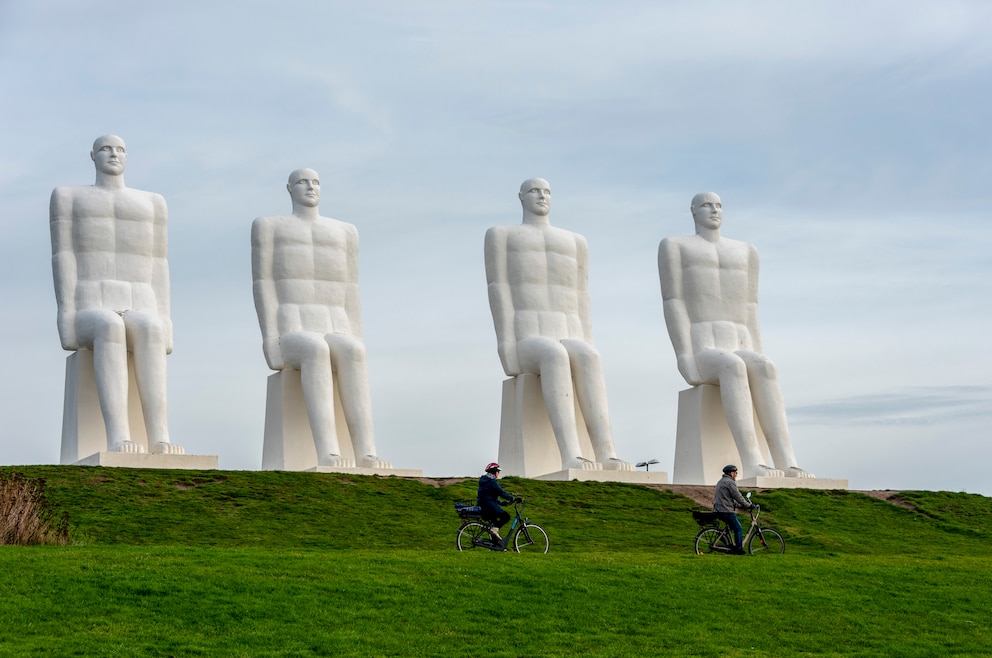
726,499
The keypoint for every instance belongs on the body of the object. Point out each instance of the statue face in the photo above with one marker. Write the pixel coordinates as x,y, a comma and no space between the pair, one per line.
109,155
304,188
707,210
535,196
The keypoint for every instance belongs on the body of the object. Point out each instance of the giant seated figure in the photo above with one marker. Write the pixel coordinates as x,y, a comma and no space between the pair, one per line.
305,272
538,292
109,248
709,285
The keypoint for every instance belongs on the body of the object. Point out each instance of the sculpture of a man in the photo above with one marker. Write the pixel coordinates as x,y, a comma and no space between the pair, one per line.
539,296
109,248
305,272
709,285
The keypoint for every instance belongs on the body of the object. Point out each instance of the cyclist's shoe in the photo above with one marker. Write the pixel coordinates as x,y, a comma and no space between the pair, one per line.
737,551
494,533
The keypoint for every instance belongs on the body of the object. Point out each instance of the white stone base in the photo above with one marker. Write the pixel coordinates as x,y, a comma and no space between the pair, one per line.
145,460
703,442
765,482
633,477
382,472
704,445
288,443
83,430
527,444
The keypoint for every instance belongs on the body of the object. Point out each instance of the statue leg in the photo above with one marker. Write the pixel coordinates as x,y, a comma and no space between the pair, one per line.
348,358
768,405
730,372
590,387
310,353
549,359
147,339
103,331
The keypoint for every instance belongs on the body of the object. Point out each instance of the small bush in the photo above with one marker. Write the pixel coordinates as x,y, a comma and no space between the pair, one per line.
26,516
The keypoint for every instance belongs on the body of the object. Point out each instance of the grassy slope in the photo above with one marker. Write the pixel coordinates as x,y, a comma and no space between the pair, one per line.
262,563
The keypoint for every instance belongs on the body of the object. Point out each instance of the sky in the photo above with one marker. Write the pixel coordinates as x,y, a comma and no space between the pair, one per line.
848,141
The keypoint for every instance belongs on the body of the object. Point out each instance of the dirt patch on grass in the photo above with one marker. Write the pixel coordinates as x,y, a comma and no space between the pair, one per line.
440,482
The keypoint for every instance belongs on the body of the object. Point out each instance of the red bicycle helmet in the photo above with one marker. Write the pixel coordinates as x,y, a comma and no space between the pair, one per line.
492,466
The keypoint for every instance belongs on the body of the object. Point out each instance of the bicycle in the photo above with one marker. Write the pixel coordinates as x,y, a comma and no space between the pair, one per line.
474,531
717,537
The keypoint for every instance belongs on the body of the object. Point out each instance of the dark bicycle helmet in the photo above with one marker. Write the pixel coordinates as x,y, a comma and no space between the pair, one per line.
729,468
492,467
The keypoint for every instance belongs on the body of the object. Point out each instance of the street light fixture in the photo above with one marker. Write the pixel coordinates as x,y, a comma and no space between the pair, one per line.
647,464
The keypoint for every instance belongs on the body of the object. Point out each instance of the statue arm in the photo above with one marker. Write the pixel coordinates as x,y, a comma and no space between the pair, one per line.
264,291
752,298
501,300
64,266
582,280
160,271
353,302
676,313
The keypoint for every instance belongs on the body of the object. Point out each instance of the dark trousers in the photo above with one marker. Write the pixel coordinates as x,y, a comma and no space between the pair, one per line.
498,519
730,518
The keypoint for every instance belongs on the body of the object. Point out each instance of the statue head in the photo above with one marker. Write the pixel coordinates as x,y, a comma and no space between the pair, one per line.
707,211
304,188
535,196
109,155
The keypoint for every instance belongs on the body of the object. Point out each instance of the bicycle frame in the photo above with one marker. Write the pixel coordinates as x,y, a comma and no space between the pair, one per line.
768,539
521,524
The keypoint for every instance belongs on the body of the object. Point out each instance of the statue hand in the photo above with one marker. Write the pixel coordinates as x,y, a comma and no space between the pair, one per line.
67,331
689,370
168,335
273,353
509,359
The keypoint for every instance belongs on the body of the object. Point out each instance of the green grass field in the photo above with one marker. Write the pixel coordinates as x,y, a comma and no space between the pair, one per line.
232,563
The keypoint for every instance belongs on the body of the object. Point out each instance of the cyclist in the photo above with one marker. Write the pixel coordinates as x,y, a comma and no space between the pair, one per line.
726,499
489,499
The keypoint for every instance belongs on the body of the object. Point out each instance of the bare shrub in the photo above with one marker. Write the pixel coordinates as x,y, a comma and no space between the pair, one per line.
26,516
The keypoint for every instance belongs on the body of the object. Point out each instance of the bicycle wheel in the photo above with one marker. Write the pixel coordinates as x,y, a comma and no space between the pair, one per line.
706,540
470,534
531,538
766,541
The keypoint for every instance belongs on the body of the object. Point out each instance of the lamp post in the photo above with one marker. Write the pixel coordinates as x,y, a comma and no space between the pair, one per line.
647,464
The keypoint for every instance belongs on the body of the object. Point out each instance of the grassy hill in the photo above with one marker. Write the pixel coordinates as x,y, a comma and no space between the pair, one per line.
239,563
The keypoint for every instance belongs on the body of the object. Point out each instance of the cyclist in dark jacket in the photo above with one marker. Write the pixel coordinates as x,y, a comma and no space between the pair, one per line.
490,493
726,499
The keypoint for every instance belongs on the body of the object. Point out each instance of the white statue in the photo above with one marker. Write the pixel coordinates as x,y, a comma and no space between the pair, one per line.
710,289
109,248
305,271
539,296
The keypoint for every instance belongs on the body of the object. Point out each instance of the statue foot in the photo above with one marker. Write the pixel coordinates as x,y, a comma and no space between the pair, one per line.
614,464
337,461
129,447
582,464
796,472
166,448
371,461
766,471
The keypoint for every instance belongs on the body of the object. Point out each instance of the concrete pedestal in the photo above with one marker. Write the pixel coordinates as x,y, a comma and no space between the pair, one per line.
633,477
704,445
84,434
527,444
83,430
145,460
288,444
703,442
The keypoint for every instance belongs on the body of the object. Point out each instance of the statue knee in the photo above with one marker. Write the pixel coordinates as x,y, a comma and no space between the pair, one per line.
733,369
